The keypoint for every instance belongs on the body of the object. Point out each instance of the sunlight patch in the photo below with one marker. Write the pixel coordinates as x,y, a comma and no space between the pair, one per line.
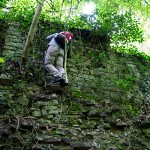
88,8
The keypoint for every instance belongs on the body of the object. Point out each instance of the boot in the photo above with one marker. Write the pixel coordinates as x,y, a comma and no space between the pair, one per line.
63,83
55,80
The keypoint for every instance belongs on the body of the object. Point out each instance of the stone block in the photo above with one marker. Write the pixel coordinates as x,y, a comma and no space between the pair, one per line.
9,53
14,40
5,80
42,97
49,112
16,46
9,37
8,48
36,113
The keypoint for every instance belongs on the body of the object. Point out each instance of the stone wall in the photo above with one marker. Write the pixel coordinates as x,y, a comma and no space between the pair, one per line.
117,76
105,106
14,41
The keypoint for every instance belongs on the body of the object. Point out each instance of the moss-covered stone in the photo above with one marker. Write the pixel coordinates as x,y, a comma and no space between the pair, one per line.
105,105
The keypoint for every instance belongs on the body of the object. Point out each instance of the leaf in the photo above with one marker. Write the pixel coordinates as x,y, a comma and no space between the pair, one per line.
2,60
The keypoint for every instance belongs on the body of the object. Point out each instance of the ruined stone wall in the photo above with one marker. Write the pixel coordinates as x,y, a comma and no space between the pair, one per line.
94,72
105,106
115,76
14,41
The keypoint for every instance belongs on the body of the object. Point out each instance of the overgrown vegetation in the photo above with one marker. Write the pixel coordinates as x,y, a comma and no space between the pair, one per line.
123,21
106,104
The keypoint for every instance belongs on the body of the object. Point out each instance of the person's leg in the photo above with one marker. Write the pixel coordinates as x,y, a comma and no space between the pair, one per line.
60,61
50,62
59,66
50,59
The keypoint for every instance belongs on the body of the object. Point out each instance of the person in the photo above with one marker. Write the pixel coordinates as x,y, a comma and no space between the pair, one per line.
54,57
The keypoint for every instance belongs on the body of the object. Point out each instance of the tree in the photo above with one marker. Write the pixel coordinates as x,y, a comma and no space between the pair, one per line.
32,32
119,19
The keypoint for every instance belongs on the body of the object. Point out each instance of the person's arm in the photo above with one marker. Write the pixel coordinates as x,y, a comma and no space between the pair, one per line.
49,37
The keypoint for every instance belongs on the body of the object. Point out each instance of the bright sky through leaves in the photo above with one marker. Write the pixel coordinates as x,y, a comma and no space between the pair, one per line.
88,8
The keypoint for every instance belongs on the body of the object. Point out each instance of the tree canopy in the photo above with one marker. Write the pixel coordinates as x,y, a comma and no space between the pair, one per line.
122,20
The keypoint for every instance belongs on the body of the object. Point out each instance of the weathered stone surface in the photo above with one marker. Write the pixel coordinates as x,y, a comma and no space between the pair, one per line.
91,113
106,126
36,113
43,97
5,79
13,40
28,124
55,88
48,139
4,130
122,124
143,122
81,146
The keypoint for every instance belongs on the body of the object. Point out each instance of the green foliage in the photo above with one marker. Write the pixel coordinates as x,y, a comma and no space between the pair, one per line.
3,4
117,18
132,108
132,50
126,83
123,84
2,60
126,29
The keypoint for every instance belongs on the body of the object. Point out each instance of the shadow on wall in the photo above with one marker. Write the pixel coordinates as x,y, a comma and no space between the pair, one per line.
92,36
3,28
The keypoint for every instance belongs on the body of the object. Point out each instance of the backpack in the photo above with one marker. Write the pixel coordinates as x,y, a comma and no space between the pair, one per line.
50,37
60,39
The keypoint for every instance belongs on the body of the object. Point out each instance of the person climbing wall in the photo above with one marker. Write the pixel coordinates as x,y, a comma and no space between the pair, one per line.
54,57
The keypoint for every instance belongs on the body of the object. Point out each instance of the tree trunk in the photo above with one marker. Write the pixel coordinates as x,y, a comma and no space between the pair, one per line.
31,33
